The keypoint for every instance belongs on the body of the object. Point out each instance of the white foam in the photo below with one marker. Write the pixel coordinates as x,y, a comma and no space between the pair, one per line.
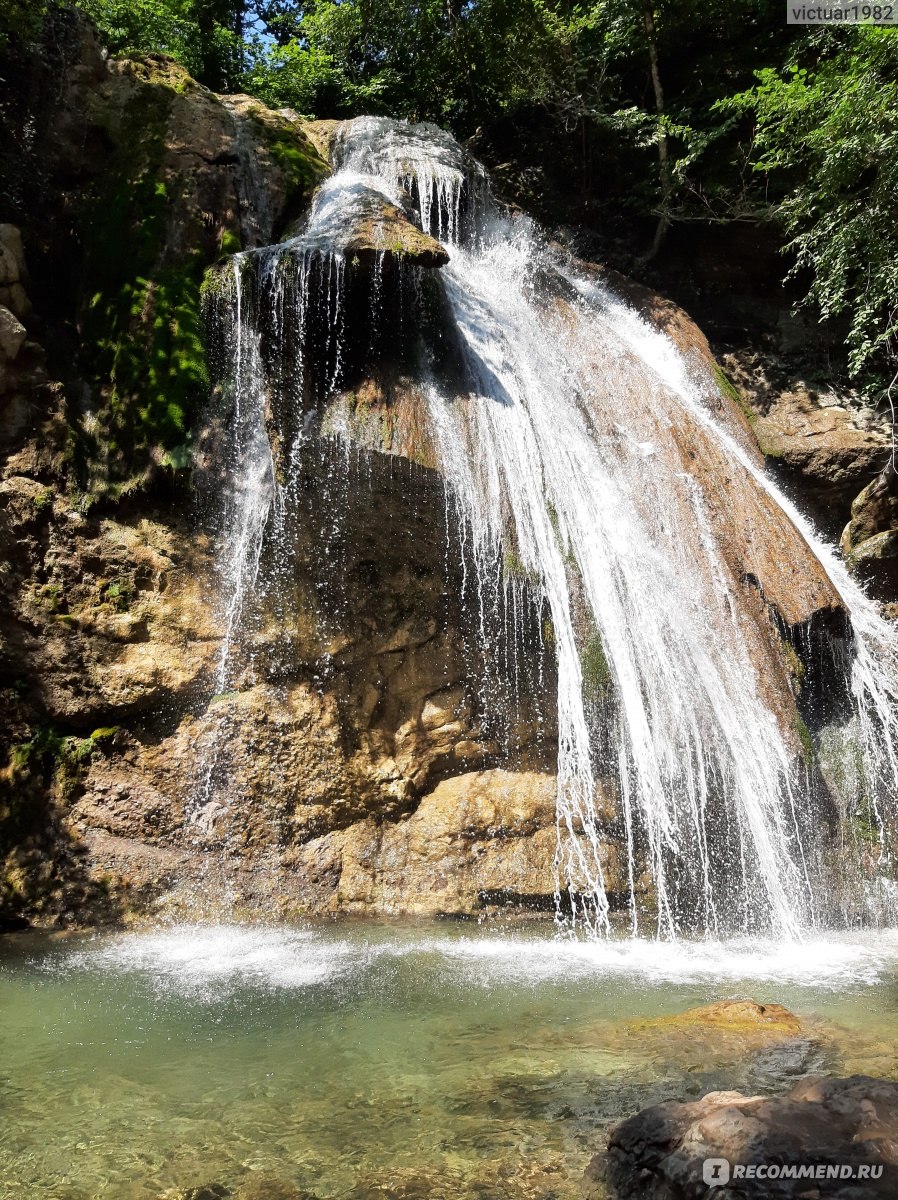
207,961
836,962
213,962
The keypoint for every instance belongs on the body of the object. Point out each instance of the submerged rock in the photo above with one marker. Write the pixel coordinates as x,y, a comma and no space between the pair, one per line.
846,1124
209,1191
263,1187
731,1015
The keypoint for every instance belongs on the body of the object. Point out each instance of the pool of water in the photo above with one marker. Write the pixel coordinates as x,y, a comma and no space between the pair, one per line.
388,1061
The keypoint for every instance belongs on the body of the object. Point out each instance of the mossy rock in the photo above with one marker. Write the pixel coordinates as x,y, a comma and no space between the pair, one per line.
738,1016
147,240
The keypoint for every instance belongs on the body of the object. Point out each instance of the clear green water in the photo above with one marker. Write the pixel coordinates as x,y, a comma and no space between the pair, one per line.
386,1061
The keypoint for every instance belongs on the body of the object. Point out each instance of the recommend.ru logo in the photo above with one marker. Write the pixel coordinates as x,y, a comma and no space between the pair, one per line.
719,1171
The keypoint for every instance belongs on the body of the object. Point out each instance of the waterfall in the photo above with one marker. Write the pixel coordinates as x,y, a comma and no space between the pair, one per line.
591,478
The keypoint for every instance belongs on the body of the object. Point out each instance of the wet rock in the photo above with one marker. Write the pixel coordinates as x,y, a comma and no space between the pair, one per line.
870,539
320,133
209,1191
354,718
874,549
873,512
265,1188
356,768
827,443
367,228
480,837
380,228
777,572
12,334
659,1154
701,1040
13,268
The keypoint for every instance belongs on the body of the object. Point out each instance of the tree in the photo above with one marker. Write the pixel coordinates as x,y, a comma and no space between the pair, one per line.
827,133
205,35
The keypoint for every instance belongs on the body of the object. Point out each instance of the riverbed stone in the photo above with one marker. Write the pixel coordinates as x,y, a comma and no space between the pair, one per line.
659,1153
736,1016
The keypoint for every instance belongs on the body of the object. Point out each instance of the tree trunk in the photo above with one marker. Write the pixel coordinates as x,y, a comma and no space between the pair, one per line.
648,21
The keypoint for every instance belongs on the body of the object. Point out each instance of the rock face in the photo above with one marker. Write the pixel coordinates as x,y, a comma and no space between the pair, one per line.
360,762
828,445
478,840
357,708
849,1126
132,180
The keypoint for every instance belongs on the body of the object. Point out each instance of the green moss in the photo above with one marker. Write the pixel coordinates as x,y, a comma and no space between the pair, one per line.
865,828
597,677
178,458
64,756
731,392
141,328
119,593
105,733
229,242
794,665
513,565
727,386
216,284
295,155
51,598
807,742
43,500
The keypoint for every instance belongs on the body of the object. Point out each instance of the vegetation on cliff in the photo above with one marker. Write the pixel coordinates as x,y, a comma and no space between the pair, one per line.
632,117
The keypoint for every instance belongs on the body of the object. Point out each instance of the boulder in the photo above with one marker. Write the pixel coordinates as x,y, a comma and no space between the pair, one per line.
870,539
12,335
9,268
732,1015
875,549
874,511
481,837
382,228
14,297
12,251
365,226
844,1125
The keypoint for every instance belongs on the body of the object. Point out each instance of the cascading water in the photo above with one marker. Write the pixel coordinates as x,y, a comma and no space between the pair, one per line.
591,480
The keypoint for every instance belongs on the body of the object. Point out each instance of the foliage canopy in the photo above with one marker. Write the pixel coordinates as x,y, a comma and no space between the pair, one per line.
641,110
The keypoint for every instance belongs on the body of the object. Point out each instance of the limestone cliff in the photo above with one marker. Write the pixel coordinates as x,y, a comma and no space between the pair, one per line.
358,766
